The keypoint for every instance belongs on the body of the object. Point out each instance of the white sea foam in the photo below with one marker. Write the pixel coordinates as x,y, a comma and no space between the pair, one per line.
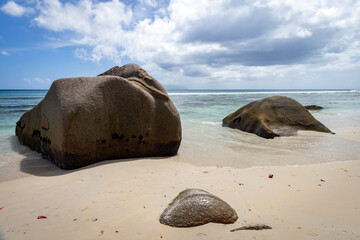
259,92
205,122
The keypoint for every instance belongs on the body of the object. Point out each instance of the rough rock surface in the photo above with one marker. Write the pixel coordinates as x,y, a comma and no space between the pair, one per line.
134,72
194,207
313,107
272,117
84,120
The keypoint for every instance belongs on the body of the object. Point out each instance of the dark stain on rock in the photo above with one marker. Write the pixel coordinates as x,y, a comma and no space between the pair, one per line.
116,136
36,133
165,149
140,137
238,119
133,136
45,140
19,125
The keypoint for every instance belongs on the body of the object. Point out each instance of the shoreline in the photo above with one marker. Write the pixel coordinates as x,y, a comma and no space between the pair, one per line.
306,148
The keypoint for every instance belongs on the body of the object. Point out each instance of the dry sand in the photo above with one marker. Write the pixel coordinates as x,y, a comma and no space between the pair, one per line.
124,199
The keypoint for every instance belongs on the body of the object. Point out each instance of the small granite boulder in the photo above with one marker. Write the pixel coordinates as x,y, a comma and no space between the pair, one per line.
313,107
272,117
194,207
123,113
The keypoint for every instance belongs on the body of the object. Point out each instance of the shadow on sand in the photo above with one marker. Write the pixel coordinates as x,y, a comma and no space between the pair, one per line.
33,163
2,237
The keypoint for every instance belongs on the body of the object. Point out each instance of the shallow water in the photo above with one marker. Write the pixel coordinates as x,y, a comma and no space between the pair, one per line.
205,141
206,144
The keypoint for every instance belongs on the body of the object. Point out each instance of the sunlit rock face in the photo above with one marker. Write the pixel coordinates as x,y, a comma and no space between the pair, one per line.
123,113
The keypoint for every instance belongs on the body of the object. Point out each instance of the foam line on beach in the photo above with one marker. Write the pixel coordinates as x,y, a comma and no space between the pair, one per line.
253,92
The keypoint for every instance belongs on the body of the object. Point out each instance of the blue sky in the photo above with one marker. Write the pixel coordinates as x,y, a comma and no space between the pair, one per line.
242,44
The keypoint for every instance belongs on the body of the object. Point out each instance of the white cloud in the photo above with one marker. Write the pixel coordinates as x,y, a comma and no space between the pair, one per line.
151,3
16,10
5,53
290,31
99,25
85,17
98,53
225,42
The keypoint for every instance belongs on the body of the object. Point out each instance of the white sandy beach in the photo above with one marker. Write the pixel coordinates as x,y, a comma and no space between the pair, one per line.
124,199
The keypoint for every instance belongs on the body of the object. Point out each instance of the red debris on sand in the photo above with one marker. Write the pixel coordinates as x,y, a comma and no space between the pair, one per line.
219,166
271,175
1,208
205,172
41,217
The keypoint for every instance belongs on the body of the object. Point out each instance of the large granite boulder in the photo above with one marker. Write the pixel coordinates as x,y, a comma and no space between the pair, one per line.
84,120
272,117
194,207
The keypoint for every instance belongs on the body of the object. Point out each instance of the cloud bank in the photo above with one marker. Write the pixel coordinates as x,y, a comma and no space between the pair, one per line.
206,44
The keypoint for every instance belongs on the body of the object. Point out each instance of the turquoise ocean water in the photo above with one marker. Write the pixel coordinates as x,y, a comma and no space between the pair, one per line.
201,113
214,105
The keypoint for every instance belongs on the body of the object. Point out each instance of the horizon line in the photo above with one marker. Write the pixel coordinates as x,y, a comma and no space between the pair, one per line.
205,89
